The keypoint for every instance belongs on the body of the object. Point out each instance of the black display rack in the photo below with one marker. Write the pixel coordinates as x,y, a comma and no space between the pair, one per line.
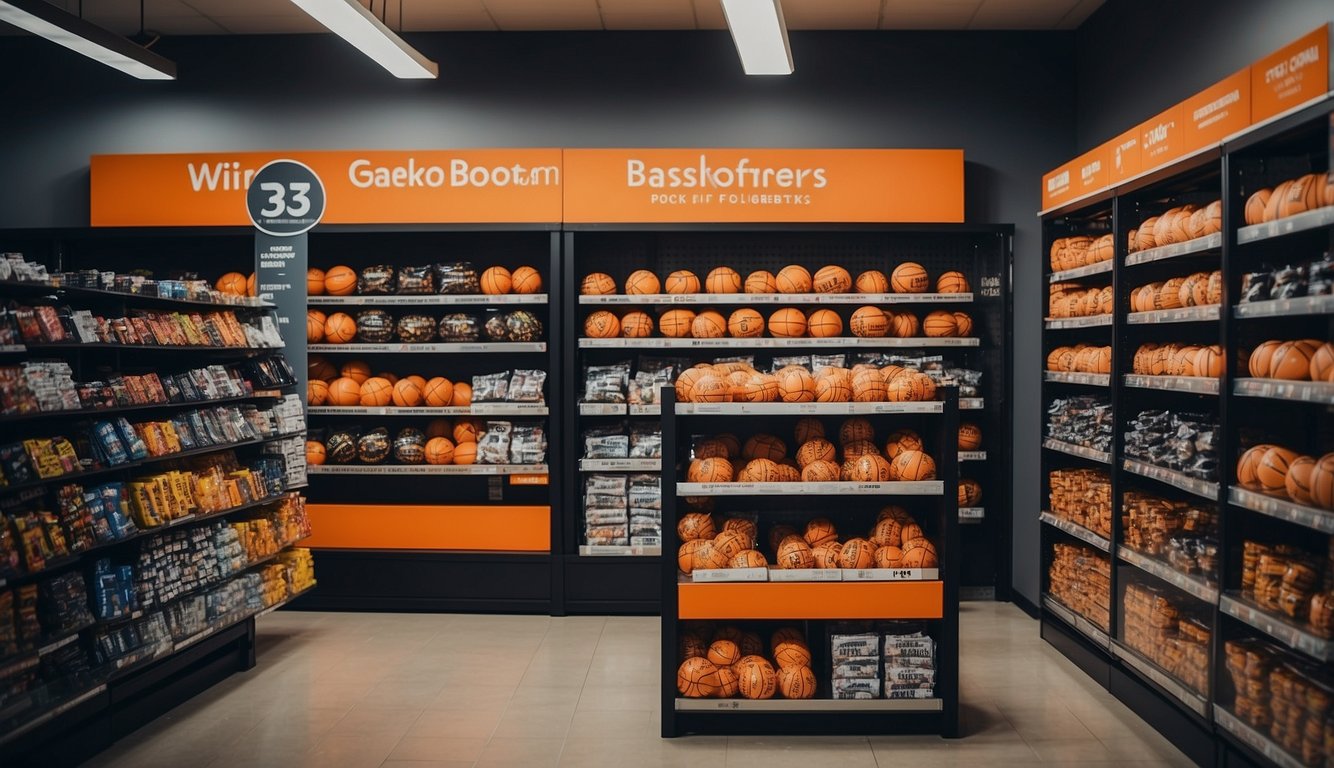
607,579
1196,714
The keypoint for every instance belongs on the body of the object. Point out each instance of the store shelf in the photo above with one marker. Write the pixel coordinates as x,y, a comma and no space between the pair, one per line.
427,300
805,409
812,600
831,342
1180,315
1078,531
476,409
1191,385
1078,623
266,611
1302,305
1321,392
72,346
31,288
95,413
1301,222
435,348
808,706
620,465
1069,377
971,403
1176,250
972,515
1278,627
1203,488
1254,739
783,575
620,409
610,550
1282,508
1097,268
917,488
1102,457
1188,698
1191,585
778,298
54,712
972,455
1070,323
428,469
12,349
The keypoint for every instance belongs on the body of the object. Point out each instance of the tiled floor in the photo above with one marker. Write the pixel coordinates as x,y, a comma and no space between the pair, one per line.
419,691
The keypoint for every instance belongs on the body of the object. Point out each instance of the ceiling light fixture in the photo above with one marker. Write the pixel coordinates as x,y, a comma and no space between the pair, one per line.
760,35
45,20
352,21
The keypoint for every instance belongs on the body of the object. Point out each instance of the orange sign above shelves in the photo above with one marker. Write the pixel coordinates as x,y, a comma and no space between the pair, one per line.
812,600
1290,76
1125,156
1161,138
1217,112
406,526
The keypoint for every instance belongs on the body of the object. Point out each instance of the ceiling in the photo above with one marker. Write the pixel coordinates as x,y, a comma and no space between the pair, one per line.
216,17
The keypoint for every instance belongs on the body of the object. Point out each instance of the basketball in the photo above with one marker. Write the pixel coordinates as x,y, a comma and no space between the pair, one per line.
714,469
872,468
745,527
339,328
406,394
636,325
970,492
912,466
755,678
722,280
438,392
963,324
796,386
1304,194
602,325
685,555
1101,250
496,281
317,392
314,282
970,437
707,557
808,428
888,556
745,323
232,283
708,325
1209,362
1255,206
1274,208
780,533
820,531
1249,464
826,555
723,653
675,323
794,554
345,391
314,326
748,558
1291,361
392,378
1261,357
909,277
832,387
857,449
314,452
319,367
820,472
697,678
760,471
952,282
787,322
340,281
940,323
793,279
1272,471
1322,482
857,553
710,388
789,653
854,429
753,389
682,281
903,325
695,525
685,384
376,392
919,553
1322,363
868,387
466,431
730,543
872,281
869,322
1298,481
761,281
439,450
525,280
831,279
887,532
824,323
250,285
597,284
764,447
710,447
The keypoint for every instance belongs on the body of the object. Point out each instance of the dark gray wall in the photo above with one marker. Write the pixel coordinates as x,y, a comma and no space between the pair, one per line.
1139,57
1005,98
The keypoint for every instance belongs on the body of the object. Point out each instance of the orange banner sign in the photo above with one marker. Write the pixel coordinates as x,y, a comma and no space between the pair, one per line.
763,185
1058,186
362,187
1160,138
1290,76
1216,112
1125,156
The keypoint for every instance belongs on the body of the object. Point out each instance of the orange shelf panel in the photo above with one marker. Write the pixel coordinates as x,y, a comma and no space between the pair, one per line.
812,600
427,526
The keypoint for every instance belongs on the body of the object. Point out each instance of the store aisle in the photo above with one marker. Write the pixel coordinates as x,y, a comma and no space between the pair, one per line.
422,690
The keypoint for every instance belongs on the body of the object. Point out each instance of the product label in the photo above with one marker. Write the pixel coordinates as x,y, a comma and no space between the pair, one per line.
1161,138
1217,112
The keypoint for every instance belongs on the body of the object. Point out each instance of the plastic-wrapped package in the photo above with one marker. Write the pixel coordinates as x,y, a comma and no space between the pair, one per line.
493,445
491,387
528,445
781,361
373,447
645,440
526,386
645,492
606,442
375,326
416,280
376,280
606,383
494,328
522,325
458,327
416,329
457,277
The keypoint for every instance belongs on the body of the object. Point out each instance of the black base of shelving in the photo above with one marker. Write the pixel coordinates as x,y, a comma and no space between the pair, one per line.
613,586
1093,661
410,581
135,700
809,724
1023,604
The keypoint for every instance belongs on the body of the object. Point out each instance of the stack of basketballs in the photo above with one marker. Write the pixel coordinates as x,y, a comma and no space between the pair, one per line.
376,326
1291,197
352,384
455,278
1277,470
896,540
764,458
729,661
739,382
1300,360
785,322
441,442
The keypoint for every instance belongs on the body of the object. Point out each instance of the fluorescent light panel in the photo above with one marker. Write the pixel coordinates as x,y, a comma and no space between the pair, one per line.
353,22
45,20
760,35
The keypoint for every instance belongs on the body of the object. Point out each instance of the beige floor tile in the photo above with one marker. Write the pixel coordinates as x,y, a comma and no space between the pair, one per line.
603,752
426,764
471,724
535,752
438,749
1069,751
620,724
543,695
615,697
344,750
487,698
546,721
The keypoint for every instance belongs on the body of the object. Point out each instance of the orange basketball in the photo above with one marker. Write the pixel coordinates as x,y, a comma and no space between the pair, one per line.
902,389
749,558
1209,361
319,367
1298,480
376,392
872,468
914,465
826,555
903,325
695,525
232,283
869,322
250,285
796,385
697,678
820,531
952,282
970,492
315,320
857,553
869,387
722,280
439,428
824,323
762,471
730,543
682,281
793,279
745,323
808,428
526,280
339,328
833,387
1292,361
1249,464
820,472
314,452
392,378
407,394
710,388
357,370
708,325
794,553
602,325
1322,362
761,281
887,532
750,387
642,282
787,322
872,281
745,527
675,323
314,282
909,277
792,653
496,281
888,556
345,391
439,450
636,325
462,394
963,324
723,653
597,284
919,553
756,678
1322,482
712,469
438,392
685,555
970,436
1274,208
465,453
831,279
764,446
317,392
1272,471
340,281
940,323
854,429
1255,206
685,384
